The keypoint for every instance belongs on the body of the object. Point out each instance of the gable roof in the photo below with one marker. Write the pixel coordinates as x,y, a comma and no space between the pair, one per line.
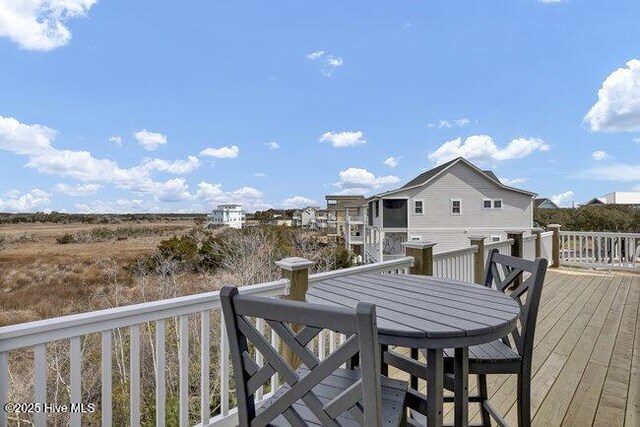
543,200
432,174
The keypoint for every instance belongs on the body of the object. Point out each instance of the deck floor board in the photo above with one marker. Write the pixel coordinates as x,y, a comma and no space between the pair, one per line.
587,346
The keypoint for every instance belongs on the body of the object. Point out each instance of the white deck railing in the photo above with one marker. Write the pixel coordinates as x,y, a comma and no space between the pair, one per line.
164,323
529,247
546,246
114,324
503,247
600,250
456,264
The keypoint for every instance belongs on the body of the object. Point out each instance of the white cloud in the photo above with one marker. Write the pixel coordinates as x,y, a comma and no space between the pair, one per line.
482,148
260,175
21,138
117,206
297,202
28,202
563,199
40,24
599,155
636,140
78,190
176,167
116,140
250,198
316,55
514,181
343,139
173,190
150,141
359,178
407,25
392,162
449,123
618,105
272,145
550,1
617,172
329,63
222,152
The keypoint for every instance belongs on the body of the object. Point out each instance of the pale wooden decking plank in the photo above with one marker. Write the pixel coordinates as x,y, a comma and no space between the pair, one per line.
502,388
584,403
612,405
544,378
585,367
578,344
632,417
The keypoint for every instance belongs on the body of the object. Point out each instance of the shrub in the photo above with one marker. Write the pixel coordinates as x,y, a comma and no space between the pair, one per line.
65,239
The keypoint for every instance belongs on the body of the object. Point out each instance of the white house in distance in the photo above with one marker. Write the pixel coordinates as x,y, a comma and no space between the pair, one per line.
446,204
226,216
627,198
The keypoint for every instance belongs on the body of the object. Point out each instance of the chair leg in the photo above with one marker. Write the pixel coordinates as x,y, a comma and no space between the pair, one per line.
484,395
524,400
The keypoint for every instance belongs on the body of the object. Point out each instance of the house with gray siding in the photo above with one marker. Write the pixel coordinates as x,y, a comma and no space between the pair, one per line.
446,204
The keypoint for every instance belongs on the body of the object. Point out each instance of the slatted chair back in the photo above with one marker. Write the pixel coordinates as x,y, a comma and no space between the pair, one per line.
362,400
502,273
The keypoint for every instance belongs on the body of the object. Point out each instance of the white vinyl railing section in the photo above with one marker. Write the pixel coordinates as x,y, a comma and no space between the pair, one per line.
546,246
456,264
503,247
529,247
600,250
118,328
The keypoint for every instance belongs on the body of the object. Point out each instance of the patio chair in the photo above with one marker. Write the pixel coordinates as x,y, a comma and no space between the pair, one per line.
510,355
320,392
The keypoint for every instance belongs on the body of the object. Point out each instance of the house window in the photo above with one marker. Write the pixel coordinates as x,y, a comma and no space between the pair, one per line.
495,238
497,204
456,207
377,204
418,207
486,203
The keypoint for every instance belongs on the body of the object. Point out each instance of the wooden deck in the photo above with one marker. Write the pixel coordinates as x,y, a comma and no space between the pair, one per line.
585,364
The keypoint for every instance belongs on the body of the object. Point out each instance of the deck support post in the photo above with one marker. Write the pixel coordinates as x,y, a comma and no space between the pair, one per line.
517,250
478,258
538,233
555,247
296,270
422,253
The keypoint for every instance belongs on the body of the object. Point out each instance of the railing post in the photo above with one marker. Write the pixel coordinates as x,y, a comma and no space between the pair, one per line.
555,247
478,259
538,233
422,253
295,269
517,250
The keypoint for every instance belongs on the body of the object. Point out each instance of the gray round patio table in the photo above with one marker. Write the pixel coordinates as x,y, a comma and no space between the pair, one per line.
423,312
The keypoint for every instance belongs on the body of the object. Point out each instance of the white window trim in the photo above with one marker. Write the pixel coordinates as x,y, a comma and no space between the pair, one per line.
414,206
451,207
501,204
487,208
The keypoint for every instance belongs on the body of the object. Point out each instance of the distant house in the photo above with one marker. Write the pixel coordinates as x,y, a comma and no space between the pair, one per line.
545,203
311,217
446,204
624,198
345,220
231,216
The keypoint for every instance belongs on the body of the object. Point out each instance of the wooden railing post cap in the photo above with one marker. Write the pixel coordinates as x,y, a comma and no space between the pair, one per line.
419,244
554,226
475,237
516,231
295,263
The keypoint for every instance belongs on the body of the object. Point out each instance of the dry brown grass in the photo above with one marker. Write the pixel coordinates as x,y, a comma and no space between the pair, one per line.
41,279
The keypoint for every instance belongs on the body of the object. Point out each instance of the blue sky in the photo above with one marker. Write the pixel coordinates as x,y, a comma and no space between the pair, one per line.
118,106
